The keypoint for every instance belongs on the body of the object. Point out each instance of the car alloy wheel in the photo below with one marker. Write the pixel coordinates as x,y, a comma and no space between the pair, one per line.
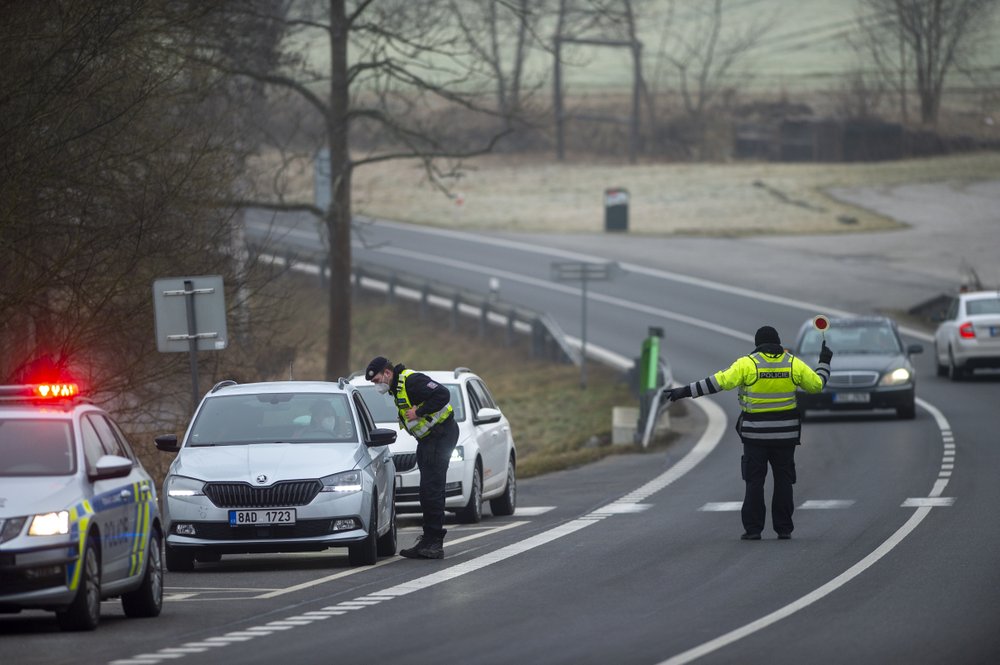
506,503
84,613
472,513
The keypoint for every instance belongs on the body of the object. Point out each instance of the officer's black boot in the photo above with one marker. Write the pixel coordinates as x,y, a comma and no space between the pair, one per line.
425,548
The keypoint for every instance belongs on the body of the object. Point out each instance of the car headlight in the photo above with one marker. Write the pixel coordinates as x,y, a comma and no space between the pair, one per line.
348,481
50,524
896,377
458,454
182,486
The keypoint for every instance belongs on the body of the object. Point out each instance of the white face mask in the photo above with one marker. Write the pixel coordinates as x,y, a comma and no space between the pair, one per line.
382,388
328,423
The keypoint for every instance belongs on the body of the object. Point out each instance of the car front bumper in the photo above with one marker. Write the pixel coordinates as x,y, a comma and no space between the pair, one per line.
37,576
854,399
314,527
455,489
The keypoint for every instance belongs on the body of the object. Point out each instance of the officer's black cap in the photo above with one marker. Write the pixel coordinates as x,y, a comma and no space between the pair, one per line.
766,335
376,366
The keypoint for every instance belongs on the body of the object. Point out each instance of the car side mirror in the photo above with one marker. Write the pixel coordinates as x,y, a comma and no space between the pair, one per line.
915,348
486,415
167,443
111,466
381,437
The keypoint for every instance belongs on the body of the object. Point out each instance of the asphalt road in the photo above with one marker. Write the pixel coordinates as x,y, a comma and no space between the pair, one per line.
637,559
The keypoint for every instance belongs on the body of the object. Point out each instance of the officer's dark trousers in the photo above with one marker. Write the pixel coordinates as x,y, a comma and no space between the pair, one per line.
754,463
433,453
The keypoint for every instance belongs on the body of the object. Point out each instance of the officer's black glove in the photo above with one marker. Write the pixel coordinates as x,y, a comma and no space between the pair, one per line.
674,394
825,354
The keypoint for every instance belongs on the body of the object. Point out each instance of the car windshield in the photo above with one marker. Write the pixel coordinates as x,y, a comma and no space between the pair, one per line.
36,448
983,306
274,418
852,338
384,409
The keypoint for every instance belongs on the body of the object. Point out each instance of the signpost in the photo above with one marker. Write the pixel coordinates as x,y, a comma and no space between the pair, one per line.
190,316
583,272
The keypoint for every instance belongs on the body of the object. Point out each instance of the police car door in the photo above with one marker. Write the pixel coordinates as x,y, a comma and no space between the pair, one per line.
490,439
113,500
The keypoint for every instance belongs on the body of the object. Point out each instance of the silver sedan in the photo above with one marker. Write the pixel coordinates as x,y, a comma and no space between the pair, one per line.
279,467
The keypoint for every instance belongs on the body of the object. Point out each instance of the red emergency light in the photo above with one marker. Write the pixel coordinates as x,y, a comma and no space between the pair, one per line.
55,390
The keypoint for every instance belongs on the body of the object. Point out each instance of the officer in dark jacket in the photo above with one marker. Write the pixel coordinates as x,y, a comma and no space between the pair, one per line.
426,413
769,422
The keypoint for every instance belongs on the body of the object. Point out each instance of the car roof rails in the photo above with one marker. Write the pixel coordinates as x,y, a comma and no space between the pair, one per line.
222,384
462,370
342,383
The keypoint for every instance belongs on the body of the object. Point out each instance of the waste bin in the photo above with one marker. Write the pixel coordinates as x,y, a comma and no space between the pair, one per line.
616,209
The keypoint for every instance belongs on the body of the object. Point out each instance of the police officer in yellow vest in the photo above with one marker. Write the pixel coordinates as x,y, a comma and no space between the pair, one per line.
769,422
425,412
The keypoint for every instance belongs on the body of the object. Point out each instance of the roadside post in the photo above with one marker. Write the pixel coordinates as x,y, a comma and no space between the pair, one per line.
649,384
583,272
190,315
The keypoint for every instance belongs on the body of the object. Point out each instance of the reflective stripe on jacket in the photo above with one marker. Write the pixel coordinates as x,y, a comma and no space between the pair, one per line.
420,427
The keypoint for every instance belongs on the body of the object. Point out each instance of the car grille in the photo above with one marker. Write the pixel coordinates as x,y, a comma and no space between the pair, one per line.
245,495
852,379
404,461
301,529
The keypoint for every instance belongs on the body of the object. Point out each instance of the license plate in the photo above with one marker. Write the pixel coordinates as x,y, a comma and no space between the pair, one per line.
994,331
261,517
851,398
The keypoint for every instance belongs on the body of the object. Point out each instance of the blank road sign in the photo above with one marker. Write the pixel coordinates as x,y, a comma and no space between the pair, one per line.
170,309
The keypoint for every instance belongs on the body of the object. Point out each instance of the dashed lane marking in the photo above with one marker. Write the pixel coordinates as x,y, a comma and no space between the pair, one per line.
812,504
533,511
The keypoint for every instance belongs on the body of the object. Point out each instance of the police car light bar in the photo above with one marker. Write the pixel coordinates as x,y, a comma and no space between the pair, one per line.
43,391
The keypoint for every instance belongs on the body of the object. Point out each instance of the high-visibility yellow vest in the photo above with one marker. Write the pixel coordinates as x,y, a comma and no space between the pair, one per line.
420,427
773,389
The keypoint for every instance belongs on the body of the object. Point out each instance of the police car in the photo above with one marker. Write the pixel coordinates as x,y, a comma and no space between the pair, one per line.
78,513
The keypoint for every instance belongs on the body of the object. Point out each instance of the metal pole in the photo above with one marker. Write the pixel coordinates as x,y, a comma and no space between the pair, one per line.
192,340
583,332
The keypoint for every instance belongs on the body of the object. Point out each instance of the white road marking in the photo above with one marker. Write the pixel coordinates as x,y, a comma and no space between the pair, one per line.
624,508
921,502
722,506
533,511
825,504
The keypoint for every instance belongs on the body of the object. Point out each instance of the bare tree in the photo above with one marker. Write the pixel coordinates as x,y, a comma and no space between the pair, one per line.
108,149
389,69
925,39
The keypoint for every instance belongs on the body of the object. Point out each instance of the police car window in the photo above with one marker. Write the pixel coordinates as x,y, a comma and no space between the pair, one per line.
36,448
112,446
983,306
273,418
93,449
129,452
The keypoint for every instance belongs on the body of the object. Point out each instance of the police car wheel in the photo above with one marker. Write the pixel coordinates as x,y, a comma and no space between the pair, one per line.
84,613
147,600
365,553
506,503
472,513
180,560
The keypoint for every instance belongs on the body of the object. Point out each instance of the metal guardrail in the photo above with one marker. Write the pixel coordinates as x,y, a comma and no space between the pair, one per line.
547,338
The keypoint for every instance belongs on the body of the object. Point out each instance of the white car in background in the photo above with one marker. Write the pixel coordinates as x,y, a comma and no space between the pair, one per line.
969,335
483,466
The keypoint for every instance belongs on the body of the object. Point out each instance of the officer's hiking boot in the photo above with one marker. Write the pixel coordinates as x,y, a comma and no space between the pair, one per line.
425,548
750,536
